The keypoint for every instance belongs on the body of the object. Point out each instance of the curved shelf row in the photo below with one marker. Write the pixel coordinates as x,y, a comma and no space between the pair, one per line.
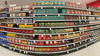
68,14
30,52
53,45
69,26
46,34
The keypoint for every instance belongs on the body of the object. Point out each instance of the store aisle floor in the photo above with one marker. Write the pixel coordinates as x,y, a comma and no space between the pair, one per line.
92,50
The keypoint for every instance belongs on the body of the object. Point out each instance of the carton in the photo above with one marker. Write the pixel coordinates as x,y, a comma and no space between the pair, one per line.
59,3
64,11
63,3
55,3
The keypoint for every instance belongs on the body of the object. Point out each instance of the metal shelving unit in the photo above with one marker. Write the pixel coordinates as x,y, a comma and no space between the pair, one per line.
50,28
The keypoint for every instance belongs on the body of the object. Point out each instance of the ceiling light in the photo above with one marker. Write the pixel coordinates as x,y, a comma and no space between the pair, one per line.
12,5
77,3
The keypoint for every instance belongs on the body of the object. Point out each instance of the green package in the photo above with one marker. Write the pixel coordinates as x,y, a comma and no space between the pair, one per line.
35,31
37,3
55,10
56,31
39,17
42,17
59,3
60,17
64,11
55,3
43,11
47,11
63,3
55,17
52,31
46,31
50,17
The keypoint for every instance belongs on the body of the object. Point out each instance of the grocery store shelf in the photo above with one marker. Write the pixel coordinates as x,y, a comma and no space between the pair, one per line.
58,20
64,7
16,33
16,17
15,23
69,26
69,14
18,28
61,51
50,40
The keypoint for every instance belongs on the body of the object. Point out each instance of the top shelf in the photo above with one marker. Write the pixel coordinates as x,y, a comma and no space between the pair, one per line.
42,7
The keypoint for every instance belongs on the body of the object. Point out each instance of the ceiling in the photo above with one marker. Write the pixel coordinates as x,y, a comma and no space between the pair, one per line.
26,2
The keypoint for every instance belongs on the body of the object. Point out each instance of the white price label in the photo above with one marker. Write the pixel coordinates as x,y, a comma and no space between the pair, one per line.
33,21
58,34
22,18
17,23
67,34
58,14
33,35
25,24
50,28
45,14
41,7
33,7
54,7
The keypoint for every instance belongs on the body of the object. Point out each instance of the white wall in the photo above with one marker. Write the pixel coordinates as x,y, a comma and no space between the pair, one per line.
25,2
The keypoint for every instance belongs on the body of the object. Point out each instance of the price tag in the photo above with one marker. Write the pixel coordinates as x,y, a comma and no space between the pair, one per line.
50,28
20,51
74,44
41,7
33,35
67,34
26,52
17,23
25,24
45,14
58,34
42,35
77,48
34,41
54,7
33,7
80,42
74,33
67,51
22,18
80,32
29,11
63,41
58,14
80,21
33,21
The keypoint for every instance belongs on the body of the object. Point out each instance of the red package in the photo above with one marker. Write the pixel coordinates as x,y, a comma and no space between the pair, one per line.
36,25
67,11
44,37
40,38
47,43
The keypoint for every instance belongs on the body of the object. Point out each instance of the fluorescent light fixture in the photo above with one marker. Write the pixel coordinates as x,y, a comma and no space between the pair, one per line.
12,5
77,3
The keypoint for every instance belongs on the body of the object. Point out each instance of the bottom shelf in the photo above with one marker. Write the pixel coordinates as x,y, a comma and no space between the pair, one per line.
60,52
